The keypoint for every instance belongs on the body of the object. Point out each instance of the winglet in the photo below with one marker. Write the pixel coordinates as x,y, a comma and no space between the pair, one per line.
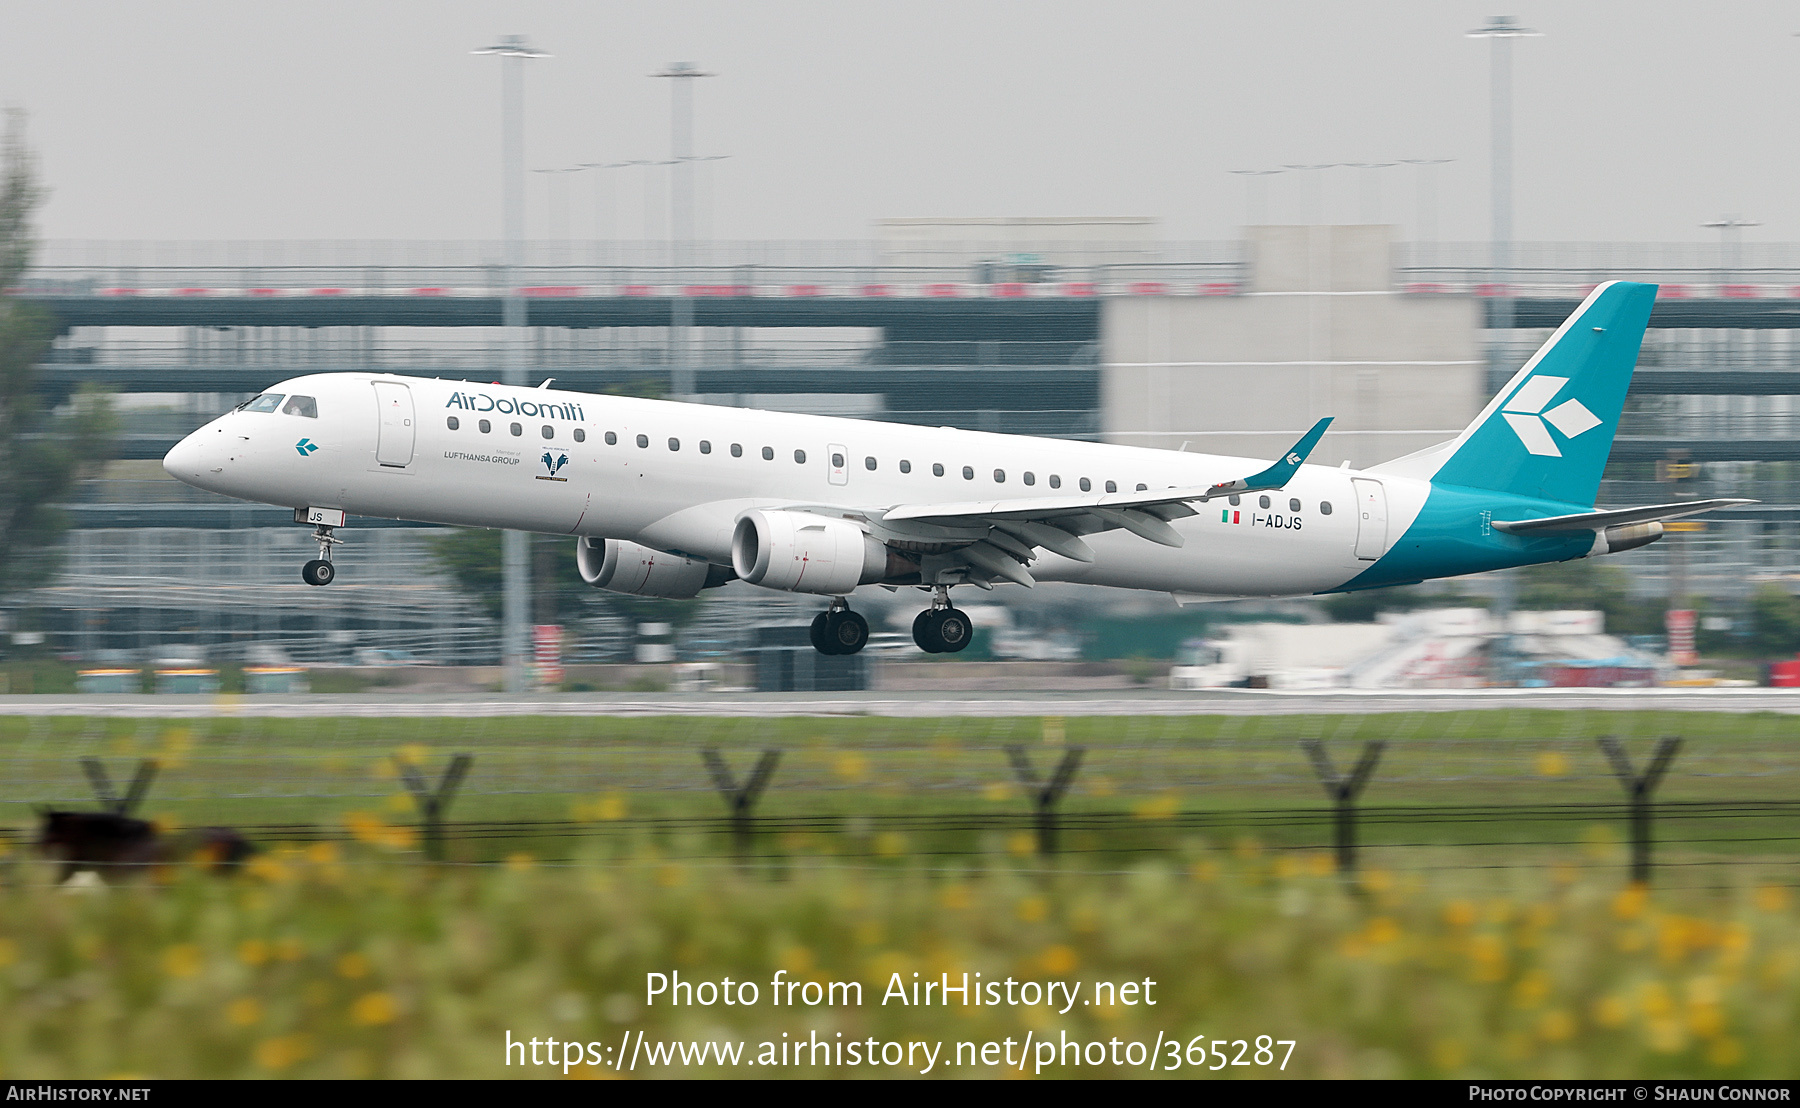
1278,474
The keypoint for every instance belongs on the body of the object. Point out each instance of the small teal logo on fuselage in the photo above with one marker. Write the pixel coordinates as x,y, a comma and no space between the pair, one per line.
553,463
305,447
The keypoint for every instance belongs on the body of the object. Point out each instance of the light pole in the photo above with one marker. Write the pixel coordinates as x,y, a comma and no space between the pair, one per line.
1371,188
681,76
1315,180
1256,193
515,568
1730,243
552,194
1425,195
1500,31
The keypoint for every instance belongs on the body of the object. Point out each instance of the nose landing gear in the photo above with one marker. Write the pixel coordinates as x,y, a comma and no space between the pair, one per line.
838,630
942,629
320,571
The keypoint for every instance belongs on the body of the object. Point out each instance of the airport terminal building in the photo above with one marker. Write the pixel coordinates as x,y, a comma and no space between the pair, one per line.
1079,328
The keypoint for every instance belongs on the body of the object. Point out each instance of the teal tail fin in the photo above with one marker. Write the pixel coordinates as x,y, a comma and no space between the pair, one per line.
1549,431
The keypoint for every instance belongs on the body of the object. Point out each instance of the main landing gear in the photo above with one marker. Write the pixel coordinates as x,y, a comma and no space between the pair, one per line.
941,629
838,630
320,571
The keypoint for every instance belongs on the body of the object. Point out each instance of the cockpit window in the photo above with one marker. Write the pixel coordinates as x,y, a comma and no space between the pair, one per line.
267,402
301,406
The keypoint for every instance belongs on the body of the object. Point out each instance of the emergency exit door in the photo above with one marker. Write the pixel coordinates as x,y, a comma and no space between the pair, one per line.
395,433
1371,518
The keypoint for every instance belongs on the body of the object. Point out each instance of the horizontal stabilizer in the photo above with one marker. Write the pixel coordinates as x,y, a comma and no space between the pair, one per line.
1593,521
1278,474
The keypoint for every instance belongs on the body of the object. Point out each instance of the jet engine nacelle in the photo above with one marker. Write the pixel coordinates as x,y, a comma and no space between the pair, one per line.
804,552
636,570
1627,536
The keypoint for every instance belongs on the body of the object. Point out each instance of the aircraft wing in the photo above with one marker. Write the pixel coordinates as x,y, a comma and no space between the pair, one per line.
1015,528
1593,521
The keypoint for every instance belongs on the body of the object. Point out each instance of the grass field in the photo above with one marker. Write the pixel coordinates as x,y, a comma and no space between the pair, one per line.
1491,932
1521,786
335,961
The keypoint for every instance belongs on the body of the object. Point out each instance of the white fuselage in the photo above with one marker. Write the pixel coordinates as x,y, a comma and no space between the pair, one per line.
676,477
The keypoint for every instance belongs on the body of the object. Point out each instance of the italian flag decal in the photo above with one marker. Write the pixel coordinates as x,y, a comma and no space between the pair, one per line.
1226,515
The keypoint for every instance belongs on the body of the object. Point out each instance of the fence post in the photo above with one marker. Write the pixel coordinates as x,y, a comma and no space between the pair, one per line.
740,800
1044,797
134,793
434,803
1638,790
1343,792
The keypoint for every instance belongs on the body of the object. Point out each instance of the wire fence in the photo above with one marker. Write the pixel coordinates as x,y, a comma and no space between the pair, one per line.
1488,788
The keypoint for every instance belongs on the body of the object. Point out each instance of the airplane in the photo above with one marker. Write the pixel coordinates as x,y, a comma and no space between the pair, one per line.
666,499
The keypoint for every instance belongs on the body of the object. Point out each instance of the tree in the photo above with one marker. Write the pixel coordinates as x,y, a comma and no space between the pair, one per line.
1775,620
42,454
472,559
1588,585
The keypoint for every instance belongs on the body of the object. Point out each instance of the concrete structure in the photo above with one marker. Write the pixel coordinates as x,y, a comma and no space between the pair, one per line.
1319,330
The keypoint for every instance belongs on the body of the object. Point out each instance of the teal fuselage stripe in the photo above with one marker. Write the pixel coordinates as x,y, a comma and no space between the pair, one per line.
1452,536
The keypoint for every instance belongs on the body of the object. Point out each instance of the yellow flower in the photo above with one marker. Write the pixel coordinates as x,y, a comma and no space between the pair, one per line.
1032,909
9,952
283,1051
182,960
1556,1026
1057,960
1449,1054
373,1009
1725,1052
1552,763
253,952
289,949
1630,902
610,806
954,897
851,767
519,861
1611,1011
1164,805
1021,843
1459,913
890,844
997,791
1383,929
243,1012
1771,898
1531,989
353,966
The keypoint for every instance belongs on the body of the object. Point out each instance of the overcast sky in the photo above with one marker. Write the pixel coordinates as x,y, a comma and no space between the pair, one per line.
353,120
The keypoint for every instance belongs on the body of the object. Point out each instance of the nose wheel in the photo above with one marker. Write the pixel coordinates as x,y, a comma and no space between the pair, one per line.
838,630
942,629
320,571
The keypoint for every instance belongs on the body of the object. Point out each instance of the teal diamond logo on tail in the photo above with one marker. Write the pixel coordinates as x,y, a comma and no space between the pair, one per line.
305,447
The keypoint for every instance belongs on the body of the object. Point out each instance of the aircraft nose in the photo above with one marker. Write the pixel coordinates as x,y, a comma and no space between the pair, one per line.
190,459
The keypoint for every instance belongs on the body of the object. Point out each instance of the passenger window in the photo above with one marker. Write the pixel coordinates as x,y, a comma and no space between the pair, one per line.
1293,505
869,464
768,453
580,435
737,450
301,406
612,439
267,402
800,457
1055,481
1262,502
937,469
837,461
643,442
549,431
1325,507
905,466
517,430
674,444
999,477
1142,487
452,423
1087,485
1112,486
968,473
1030,477
1234,500
485,426
706,446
